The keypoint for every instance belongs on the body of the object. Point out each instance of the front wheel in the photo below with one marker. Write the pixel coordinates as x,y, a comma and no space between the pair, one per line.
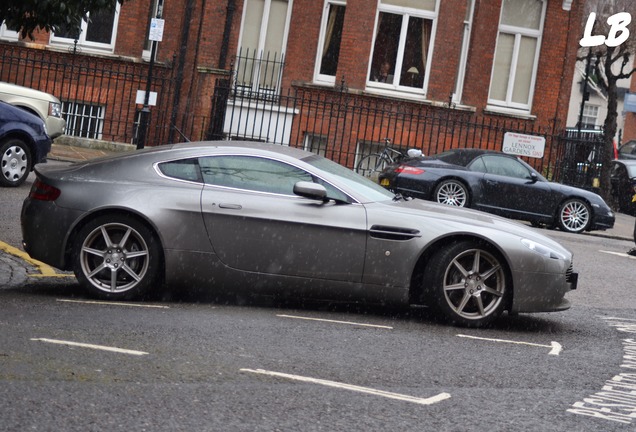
574,216
117,258
371,166
468,283
15,162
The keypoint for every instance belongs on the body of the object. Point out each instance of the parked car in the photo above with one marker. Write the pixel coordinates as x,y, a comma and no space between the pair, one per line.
501,184
44,105
276,220
627,150
23,143
623,178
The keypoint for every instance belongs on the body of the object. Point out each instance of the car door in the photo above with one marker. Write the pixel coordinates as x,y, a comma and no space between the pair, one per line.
256,224
508,188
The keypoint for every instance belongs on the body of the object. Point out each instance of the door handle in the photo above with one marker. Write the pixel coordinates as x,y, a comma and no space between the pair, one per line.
492,182
230,206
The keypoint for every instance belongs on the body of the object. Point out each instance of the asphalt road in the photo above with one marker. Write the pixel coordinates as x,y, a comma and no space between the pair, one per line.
218,363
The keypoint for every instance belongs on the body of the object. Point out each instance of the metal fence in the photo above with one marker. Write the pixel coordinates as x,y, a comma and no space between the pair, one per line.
99,100
98,94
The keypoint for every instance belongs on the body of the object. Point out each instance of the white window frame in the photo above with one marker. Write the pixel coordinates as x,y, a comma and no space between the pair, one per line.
318,77
7,34
508,106
590,111
406,13
88,45
262,36
463,57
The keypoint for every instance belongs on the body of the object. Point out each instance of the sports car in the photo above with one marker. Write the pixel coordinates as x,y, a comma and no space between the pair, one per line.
274,220
501,184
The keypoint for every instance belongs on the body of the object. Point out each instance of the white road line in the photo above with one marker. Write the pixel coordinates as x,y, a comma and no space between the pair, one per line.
114,303
555,346
335,321
616,318
422,401
91,346
623,254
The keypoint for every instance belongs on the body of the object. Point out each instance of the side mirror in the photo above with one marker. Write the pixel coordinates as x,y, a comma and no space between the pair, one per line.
533,178
310,190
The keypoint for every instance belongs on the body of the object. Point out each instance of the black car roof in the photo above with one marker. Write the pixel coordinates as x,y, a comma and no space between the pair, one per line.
463,157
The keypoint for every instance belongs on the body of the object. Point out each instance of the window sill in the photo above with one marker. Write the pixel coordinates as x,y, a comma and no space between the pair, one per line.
509,112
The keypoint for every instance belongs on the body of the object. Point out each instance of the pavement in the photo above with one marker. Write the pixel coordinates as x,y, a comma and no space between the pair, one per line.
14,269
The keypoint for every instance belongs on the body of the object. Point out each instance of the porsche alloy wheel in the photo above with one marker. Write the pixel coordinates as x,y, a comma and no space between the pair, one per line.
117,258
469,283
574,216
452,192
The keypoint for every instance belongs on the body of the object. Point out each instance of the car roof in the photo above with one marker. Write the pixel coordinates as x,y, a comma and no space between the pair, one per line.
464,156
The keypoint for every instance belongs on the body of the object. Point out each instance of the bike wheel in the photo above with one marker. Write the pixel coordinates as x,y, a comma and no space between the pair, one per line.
371,166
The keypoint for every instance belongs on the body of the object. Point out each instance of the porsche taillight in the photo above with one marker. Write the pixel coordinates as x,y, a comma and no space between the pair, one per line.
43,192
406,169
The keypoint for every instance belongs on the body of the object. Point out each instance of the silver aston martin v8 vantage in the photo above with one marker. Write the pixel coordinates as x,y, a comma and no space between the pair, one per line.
276,220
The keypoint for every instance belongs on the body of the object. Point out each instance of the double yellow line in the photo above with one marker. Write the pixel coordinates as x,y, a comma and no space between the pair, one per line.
44,270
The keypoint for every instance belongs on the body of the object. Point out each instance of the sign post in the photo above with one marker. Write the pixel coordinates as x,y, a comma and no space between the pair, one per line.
155,35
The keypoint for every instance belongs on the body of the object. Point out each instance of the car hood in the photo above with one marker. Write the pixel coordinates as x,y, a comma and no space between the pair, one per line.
430,216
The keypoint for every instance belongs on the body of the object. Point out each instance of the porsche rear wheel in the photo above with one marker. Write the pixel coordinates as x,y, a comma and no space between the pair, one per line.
117,258
452,192
468,283
574,216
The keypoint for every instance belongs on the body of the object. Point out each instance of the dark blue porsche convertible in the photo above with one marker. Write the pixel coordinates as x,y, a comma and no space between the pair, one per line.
501,184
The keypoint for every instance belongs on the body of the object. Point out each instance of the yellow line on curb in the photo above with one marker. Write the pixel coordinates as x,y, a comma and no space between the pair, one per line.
45,270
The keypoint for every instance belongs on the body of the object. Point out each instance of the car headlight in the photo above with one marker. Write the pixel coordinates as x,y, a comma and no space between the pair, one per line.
55,109
541,249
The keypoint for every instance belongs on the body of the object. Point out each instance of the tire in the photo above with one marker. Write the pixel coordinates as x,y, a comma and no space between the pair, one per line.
371,166
468,284
574,216
452,192
117,258
15,162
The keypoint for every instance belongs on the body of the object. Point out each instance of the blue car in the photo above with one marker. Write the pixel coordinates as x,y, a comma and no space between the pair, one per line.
24,143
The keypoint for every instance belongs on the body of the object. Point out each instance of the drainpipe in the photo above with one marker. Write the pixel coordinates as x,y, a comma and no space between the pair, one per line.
225,44
185,33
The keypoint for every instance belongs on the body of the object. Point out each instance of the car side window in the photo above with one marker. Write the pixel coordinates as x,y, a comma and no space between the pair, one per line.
252,173
505,166
185,169
478,165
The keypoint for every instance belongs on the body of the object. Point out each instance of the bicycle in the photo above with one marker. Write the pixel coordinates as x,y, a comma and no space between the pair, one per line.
372,165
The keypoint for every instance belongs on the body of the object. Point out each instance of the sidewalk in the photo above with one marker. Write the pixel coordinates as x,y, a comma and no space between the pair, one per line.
623,228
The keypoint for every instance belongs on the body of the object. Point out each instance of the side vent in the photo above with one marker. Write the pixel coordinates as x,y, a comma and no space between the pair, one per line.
393,233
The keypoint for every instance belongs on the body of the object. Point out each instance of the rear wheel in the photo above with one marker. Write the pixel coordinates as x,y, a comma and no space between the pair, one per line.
371,166
468,283
574,216
452,192
117,258
15,162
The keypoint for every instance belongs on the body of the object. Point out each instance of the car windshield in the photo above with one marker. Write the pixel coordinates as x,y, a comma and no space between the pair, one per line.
361,185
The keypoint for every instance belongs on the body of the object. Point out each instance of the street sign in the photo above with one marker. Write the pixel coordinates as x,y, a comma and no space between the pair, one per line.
523,145
156,29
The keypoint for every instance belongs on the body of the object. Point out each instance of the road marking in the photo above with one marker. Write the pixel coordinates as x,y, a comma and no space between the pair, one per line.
623,254
45,270
114,303
335,321
91,346
422,401
555,346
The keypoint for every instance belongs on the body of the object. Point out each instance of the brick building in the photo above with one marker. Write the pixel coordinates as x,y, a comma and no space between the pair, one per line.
334,76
